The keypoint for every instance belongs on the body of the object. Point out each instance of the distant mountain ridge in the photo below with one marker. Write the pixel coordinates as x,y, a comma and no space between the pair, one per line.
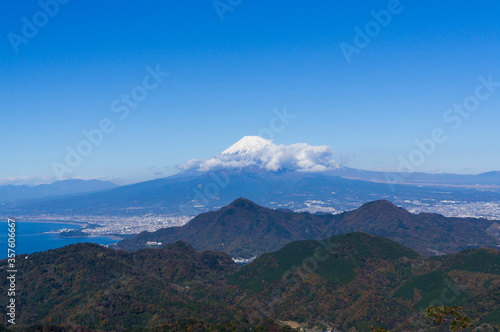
193,192
245,229
300,177
488,179
11,193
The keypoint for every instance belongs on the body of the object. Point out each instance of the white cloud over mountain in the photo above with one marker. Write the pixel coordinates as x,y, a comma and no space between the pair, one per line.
256,151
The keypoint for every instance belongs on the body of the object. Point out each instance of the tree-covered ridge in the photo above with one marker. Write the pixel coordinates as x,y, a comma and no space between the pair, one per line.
358,280
100,288
245,229
350,281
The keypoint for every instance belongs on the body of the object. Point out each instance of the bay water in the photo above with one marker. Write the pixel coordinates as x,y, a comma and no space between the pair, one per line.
33,237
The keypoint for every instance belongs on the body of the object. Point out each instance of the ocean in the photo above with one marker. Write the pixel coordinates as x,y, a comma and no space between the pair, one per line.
31,237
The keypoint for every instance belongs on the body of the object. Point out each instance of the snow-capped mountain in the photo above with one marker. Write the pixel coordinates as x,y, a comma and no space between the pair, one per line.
300,177
248,144
251,151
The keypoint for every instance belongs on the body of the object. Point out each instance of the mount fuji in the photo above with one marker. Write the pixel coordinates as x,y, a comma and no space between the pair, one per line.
248,144
254,151
299,177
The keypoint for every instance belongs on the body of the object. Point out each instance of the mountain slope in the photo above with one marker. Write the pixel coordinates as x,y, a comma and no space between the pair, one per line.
240,229
344,254
245,229
103,289
192,192
359,280
349,282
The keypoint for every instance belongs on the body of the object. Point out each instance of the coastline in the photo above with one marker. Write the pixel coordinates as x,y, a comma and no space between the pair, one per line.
112,237
41,236
82,225
76,223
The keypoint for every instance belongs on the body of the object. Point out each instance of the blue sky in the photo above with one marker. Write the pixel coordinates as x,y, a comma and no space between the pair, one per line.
225,78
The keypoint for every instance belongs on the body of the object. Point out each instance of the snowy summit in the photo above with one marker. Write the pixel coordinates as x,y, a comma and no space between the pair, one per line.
248,144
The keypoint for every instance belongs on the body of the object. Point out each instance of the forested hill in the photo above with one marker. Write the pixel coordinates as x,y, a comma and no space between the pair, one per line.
354,280
245,229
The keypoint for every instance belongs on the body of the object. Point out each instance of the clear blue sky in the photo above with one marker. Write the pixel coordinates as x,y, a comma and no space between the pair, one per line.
226,77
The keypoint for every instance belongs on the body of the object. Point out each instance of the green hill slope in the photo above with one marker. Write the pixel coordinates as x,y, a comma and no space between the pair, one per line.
359,280
245,229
